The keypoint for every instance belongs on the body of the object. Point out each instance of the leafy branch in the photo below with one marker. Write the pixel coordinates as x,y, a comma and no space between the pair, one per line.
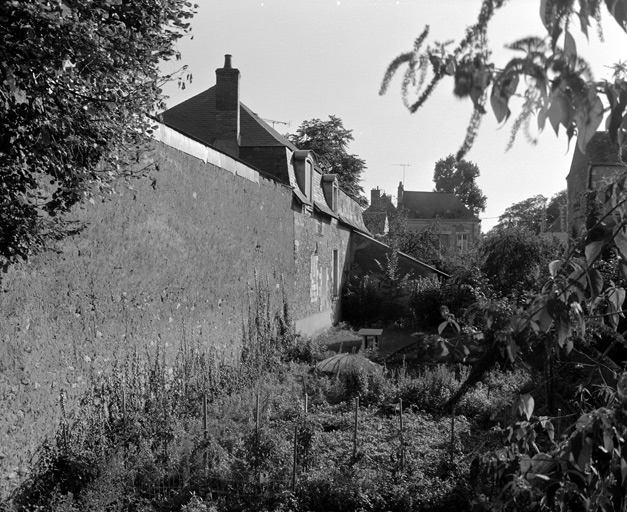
558,83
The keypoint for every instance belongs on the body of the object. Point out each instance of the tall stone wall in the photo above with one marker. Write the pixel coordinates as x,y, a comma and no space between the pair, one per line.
317,236
171,257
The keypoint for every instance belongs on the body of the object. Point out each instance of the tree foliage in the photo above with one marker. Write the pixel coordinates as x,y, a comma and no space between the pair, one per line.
534,214
330,140
555,206
516,260
528,214
423,245
459,178
78,79
558,325
553,82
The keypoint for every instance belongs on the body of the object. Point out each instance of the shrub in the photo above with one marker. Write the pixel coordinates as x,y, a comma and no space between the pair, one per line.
516,260
361,301
430,293
427,392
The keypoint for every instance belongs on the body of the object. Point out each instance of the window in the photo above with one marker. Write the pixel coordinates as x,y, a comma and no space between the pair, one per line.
308,173
462,242
331,190
335,290
304,170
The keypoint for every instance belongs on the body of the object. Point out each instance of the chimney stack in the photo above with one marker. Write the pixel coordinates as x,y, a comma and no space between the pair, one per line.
375,196
227,108
399,197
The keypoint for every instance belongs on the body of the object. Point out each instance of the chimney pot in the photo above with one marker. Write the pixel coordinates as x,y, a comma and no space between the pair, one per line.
227,62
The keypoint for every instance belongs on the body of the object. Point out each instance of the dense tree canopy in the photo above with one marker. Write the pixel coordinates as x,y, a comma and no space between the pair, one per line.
330,140
459,178
528,215
534,214
78,79
555,206
517,260
423,245
554,83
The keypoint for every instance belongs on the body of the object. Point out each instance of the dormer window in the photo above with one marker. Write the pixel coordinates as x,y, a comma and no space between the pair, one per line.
304,170
331,190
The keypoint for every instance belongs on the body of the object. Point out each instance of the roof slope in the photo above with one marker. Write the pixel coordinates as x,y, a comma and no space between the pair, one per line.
196,117
431,205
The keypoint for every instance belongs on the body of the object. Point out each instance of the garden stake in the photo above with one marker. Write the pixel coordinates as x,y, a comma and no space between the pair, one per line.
65,426
257,414
306,403
204,427
257,439
124,405
400,407
295,457
559,421
355,431
452,432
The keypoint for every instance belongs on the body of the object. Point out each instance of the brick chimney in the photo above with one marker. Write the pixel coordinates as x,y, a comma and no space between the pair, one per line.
375,196
227,108
399,197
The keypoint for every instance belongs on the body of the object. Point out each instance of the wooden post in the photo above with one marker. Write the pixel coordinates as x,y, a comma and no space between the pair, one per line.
295,460
204,427
124,405
452,432
356,424
257,439
64,419
257,414
400,406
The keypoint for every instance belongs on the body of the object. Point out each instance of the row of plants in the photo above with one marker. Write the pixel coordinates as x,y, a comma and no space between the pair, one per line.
138,439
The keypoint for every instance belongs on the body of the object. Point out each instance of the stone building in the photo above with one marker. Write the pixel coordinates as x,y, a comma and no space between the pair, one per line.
324,216
457,226
589,173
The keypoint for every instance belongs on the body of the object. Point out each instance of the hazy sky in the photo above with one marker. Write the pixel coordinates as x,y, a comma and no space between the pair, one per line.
304,59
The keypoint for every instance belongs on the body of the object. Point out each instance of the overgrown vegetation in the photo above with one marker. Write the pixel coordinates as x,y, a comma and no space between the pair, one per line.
140,439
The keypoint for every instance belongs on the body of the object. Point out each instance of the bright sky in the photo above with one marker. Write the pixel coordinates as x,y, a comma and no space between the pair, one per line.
305,59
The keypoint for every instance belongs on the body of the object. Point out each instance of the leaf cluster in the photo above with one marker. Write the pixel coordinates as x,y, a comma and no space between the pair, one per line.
77,82
554,83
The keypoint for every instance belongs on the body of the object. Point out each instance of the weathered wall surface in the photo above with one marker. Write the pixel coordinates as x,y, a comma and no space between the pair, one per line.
317,236
172,259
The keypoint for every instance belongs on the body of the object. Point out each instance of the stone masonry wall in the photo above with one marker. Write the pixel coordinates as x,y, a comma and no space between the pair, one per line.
316,237
172,257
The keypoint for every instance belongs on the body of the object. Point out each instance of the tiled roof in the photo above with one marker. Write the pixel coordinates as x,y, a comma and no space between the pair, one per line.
383,204
600,150
430,205
196,117
377,250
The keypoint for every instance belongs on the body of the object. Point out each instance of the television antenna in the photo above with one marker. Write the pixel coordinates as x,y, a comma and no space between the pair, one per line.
273,122
404,166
